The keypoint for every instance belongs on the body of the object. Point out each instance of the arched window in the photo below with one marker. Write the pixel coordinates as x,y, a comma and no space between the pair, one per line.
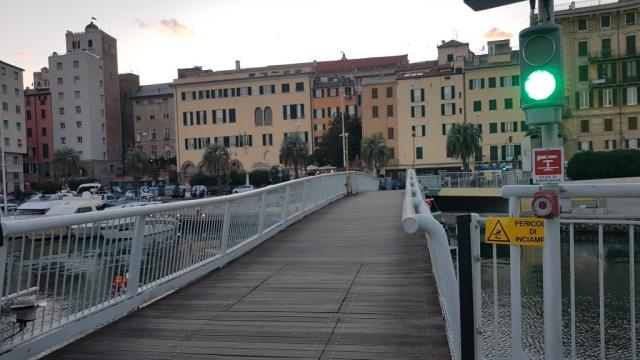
268,118
90,43
259,117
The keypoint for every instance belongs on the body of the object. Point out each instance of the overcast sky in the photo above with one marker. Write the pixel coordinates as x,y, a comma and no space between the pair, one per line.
155,37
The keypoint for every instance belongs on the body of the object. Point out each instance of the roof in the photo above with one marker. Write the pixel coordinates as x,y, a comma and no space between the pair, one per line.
39,91
91,26
588,7
451,43
13,66
345,64
153,90
378,80
424,69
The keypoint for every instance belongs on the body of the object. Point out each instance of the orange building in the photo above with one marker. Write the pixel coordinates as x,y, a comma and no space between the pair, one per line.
338,85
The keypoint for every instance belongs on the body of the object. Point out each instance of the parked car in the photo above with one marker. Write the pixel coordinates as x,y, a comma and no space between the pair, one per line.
243,188
198,191
144,195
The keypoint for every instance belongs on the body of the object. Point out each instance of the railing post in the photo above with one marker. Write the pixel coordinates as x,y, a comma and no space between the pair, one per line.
262,207
285,204
516,303
304,196
3,265
226,223
465,284
135,260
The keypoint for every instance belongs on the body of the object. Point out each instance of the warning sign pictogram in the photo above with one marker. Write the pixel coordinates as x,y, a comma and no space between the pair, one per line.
498,234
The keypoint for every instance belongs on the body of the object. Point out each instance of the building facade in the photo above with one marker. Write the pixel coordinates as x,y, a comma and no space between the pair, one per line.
379,112
154,121
37,162
492,93
86,101
249,111
601,74
129,84
12,132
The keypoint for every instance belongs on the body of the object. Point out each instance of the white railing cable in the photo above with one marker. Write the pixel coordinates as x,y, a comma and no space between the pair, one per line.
80,272
416,216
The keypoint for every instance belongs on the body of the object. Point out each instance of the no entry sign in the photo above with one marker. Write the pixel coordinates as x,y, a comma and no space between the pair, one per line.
548,165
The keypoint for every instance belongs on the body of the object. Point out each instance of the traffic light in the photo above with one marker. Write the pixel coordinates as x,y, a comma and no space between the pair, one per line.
541,74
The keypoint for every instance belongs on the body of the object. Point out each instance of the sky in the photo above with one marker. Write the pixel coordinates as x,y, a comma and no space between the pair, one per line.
156,37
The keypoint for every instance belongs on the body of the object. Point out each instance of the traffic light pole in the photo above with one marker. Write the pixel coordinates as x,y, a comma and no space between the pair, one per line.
551,279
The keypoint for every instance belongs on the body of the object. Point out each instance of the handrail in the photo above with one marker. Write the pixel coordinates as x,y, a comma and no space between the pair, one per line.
416,215
568,190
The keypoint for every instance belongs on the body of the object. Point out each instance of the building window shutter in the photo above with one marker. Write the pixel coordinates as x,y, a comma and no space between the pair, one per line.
441,109
614,93
482,83
413,111
423,111
577,100
441,93
453,92
515,126
421,94
503,152
284,112
601,97
502,127
470,84
591,99
186,143
444,129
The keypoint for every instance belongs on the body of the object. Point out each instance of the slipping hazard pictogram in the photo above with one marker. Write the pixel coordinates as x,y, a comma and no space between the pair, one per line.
498,234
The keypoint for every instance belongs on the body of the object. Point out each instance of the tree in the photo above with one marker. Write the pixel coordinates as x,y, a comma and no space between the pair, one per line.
66,163
374,153
136,165
294,152
216,160
329,149
463,142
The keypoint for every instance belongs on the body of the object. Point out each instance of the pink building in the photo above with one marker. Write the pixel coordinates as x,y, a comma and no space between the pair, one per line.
39,136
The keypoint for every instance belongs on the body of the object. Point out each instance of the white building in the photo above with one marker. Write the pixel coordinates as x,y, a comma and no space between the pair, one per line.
86,101
12,129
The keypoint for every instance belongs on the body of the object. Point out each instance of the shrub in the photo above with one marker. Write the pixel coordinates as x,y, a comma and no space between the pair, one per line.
259,178
200,178
604,164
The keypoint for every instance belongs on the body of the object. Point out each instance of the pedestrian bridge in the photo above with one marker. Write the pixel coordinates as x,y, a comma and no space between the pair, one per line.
304,272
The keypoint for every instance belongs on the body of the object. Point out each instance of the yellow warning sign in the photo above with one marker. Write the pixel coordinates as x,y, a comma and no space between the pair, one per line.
514,231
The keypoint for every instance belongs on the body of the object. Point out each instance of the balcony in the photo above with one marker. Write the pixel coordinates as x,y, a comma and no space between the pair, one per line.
603,82
613,55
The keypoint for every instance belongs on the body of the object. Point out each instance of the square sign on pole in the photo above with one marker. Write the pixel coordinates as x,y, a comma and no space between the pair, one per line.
548,165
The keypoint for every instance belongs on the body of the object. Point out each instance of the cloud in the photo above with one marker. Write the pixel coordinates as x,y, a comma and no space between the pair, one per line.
497,34
170,26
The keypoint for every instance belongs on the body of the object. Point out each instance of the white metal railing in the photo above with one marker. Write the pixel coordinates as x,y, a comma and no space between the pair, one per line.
62,277
477,179
416,215
616,338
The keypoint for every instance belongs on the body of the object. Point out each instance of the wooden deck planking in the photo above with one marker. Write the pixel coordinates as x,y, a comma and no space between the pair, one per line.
344,283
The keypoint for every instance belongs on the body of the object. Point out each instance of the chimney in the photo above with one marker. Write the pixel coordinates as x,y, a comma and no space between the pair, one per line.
237,65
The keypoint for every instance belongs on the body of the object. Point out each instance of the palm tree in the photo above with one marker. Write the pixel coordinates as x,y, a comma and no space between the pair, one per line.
66,163
216,160
374,153
294,152
463,142
136,165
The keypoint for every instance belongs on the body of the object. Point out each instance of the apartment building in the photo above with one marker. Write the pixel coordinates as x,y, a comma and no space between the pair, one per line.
338,84
128,84
86,101
250,111
492,98
601,74
37,162
379,112
12,133
154,120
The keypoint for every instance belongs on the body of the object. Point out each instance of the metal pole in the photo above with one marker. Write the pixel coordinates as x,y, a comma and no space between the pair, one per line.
516,293
344,148
465,284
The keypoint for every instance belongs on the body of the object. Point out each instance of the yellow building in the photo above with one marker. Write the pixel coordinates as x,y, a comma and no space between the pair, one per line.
601,74
250,111
379,112
492,97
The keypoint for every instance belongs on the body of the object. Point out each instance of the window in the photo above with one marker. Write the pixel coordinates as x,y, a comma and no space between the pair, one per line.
264,90
78,110
5,106
418,152
583,48
59,66
167,133
19,143
152,134
63,140
219,116
7,141
389,110
90,43
62,125
389,92
583,99
631,44
29,132
76,79
43,113
293,111
583,72
16,92
417,95
493,104
390,133
268,116
447,109
333,92
631,69
285,88
632,95
18,109
318,93
4,88
606,47
584,126
493,128
633,123
608,124
43,131
5,124
267,139
374,93
477,105
232,116
45,151
446,128
582,24
446,93
79,138
300,86
508,103
418,111
76,64
492,82
506,81
632,143
605,21
607,97
374,111
449,58
476,84
610,144
630,18
585,146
